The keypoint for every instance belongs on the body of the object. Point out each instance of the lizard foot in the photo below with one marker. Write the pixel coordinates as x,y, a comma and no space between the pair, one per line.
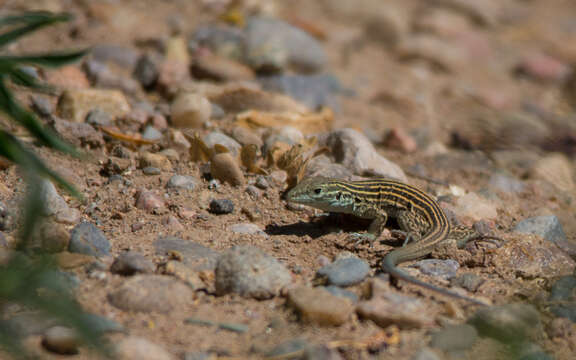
360,238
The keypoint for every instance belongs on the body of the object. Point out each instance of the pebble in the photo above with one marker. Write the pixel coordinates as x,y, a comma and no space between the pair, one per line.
190,110
246,137
150,170
225,168
345,272
249,272
42,106
224,40
534,257
563,298
338,291
387,308
398,139
216,137
79,134
172,75
548,227
146,71
182,182
49,237
193,255
86,238
106,77
134,347
506,184
151,133
61,340
159,161
468,281
152,293
318,306
149,201
240,99
98,117
210,66
314,91
74,105
111,53
114,167
454,338
247,228
291,346
557,170
183,272
353,150
543,67
221,206
510,323
443,269
475,207
173,223
262,183
323,166
131,263
286,134
253,192
272,45
54,205
426,354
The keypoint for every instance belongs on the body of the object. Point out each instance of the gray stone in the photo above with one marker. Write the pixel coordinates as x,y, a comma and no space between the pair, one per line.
146,71
55,205
445,269
338,291
152,293
468,281
133,347
42,106
510,323
314,91
272,45
426,354
548,227
98,117
454,338
196,256
61,340
119,55
345,272
131,263
85,238
318,306
249,272
353,150
506,184
151,170
291,346
246,228
227,41
151,133
221,206
215,137
183,182
563,298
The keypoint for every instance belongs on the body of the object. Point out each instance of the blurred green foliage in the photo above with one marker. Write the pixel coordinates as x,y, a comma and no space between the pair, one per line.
32,281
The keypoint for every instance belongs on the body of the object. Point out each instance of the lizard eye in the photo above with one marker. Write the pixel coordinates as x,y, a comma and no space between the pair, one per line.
317,190
338,196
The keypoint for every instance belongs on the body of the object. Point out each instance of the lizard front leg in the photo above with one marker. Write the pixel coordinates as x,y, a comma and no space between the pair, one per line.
380,218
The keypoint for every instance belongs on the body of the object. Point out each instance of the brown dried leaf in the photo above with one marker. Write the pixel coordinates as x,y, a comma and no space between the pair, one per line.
295,160
133,139
199,151
219,149
249,157
306,122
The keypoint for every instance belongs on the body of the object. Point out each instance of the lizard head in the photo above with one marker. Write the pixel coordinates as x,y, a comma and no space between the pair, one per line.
322,193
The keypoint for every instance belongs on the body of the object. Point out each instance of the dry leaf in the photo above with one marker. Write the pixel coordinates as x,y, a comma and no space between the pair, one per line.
249,157
199,151
308,123
295,160
133,139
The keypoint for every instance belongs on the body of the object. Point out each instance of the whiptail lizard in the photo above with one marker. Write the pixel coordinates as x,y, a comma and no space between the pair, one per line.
417,214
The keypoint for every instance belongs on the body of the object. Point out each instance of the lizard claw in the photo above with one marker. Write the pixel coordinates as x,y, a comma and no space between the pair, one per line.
361,238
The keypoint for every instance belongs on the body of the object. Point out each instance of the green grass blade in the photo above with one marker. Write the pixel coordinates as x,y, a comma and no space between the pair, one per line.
32,22
53,59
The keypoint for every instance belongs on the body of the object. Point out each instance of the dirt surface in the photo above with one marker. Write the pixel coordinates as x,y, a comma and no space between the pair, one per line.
465,108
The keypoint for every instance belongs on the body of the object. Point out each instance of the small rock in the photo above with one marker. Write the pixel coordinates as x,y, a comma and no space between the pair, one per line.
426,354
42,106
61,340
468,281
79,134
287,134
548,227
148,201
131,263
246,228
353,150
154,160
399,139
297,345
225,168
208,65
216,137
542,67
387,308
107,77
172,75
320,307
152,133
185,273
85,238
246,137
190,110
534,257
444,269
314,91
323,166
152,293
506,184
345,272
76,104
98,117
454,338
149,170
262,183
250,272
239,99
119,55
557,170
508,323
253,191
193,255
182,182
134,347
272,45
173,223
49,237
146,71
338,291
55,205
115,166
221,206
563,298
475,207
